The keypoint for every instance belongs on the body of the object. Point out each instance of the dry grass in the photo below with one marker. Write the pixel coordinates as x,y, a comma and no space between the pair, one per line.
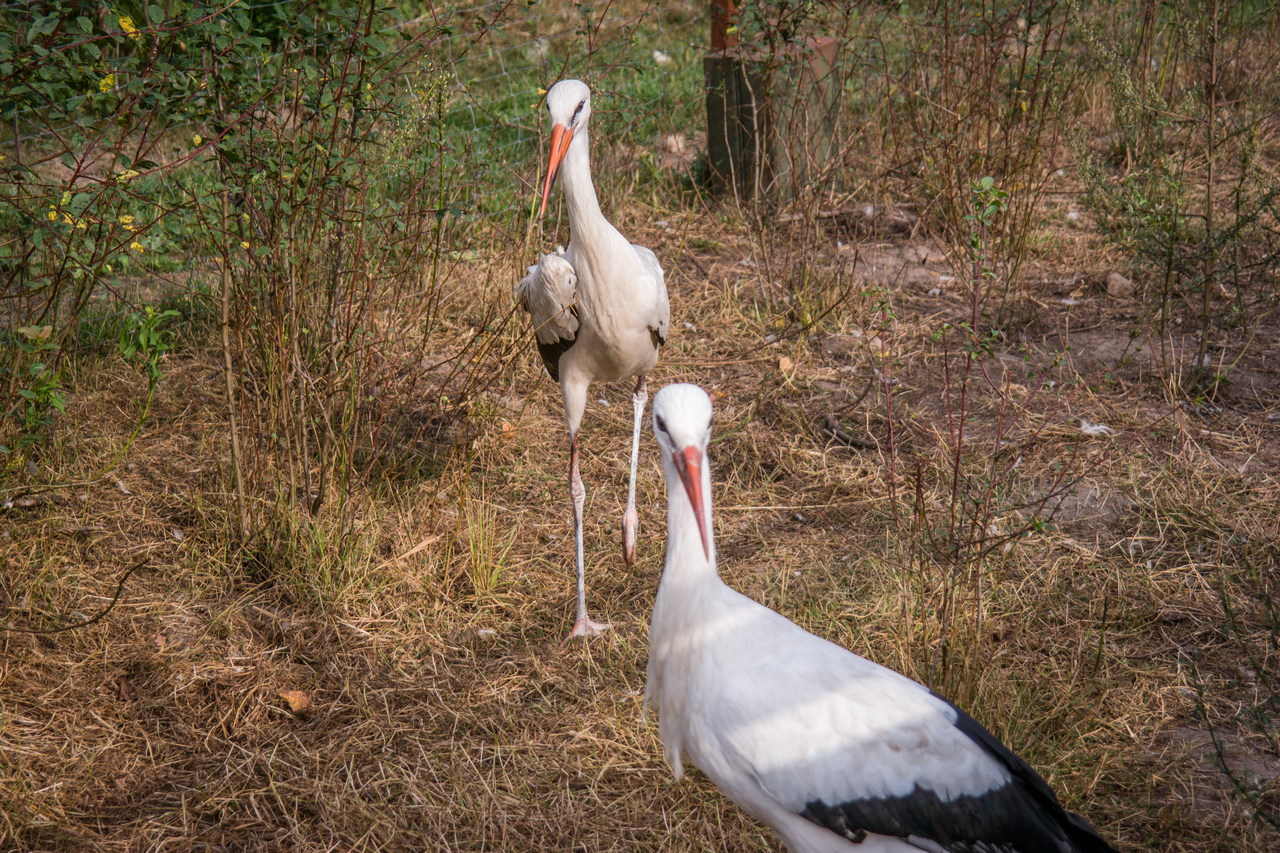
423,621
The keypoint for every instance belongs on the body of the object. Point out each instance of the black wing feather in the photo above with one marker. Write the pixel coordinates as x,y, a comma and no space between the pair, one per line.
551,352
1083,836
1024,816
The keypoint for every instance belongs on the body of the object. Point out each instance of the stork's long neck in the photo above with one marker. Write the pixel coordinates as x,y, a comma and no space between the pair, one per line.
586,221
687,564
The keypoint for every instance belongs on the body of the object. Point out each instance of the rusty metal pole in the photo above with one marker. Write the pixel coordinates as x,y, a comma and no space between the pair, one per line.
724,13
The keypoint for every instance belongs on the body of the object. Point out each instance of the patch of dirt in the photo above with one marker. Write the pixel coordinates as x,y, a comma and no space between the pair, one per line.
1209,798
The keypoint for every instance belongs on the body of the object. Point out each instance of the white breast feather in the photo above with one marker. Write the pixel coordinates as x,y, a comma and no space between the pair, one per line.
547,293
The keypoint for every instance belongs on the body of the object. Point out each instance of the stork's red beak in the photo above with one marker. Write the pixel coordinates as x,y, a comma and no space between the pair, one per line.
560,137
689,466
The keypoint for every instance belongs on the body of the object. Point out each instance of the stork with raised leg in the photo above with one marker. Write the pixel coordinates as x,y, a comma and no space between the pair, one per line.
600,310
837,754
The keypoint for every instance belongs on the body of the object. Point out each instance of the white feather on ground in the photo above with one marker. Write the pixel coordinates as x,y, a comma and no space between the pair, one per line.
1088,427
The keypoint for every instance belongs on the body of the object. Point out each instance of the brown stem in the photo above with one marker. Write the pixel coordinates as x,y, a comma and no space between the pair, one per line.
236,456
1209,254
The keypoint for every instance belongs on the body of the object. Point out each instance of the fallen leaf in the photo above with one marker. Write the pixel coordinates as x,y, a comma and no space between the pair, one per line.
298,700
784,363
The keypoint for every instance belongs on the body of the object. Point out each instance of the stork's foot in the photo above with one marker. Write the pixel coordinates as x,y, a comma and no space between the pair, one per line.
630,524
584,627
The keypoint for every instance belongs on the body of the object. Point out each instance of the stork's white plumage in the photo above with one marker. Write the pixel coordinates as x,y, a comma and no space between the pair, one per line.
600,310
837,754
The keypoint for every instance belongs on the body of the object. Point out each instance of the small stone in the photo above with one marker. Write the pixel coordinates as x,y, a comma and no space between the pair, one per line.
840,345
1119,286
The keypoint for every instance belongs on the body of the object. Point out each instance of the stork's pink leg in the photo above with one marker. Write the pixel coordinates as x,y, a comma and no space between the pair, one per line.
584,627
630,519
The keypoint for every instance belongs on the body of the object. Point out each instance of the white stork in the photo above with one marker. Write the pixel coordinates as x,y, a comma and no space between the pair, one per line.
600,310
832,751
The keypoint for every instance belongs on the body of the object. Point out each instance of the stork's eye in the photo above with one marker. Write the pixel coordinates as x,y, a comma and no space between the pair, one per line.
581,104
662,425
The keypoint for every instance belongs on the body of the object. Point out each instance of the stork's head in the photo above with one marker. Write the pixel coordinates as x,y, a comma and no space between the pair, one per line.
682,425
569,103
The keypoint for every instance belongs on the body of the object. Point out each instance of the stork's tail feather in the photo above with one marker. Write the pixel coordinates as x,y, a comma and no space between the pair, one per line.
1084,836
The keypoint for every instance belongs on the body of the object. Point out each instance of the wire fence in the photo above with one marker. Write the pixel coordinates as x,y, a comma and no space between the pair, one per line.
496,73
495,59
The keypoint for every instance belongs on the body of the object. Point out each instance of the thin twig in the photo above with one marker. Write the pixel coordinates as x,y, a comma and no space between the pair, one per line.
95,618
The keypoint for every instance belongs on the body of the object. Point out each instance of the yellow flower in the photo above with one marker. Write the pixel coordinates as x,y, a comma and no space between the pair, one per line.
244,244
126,219
126,24
136,246
197,139
53,216
106,83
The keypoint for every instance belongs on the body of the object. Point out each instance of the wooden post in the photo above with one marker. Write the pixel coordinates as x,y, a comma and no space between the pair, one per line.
770,118
804,102
731,144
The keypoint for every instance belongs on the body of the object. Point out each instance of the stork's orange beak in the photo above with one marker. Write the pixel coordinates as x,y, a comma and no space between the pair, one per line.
560,137
689,466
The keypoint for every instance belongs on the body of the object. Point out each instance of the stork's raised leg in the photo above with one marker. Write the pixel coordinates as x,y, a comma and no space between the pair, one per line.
583,627
630,519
